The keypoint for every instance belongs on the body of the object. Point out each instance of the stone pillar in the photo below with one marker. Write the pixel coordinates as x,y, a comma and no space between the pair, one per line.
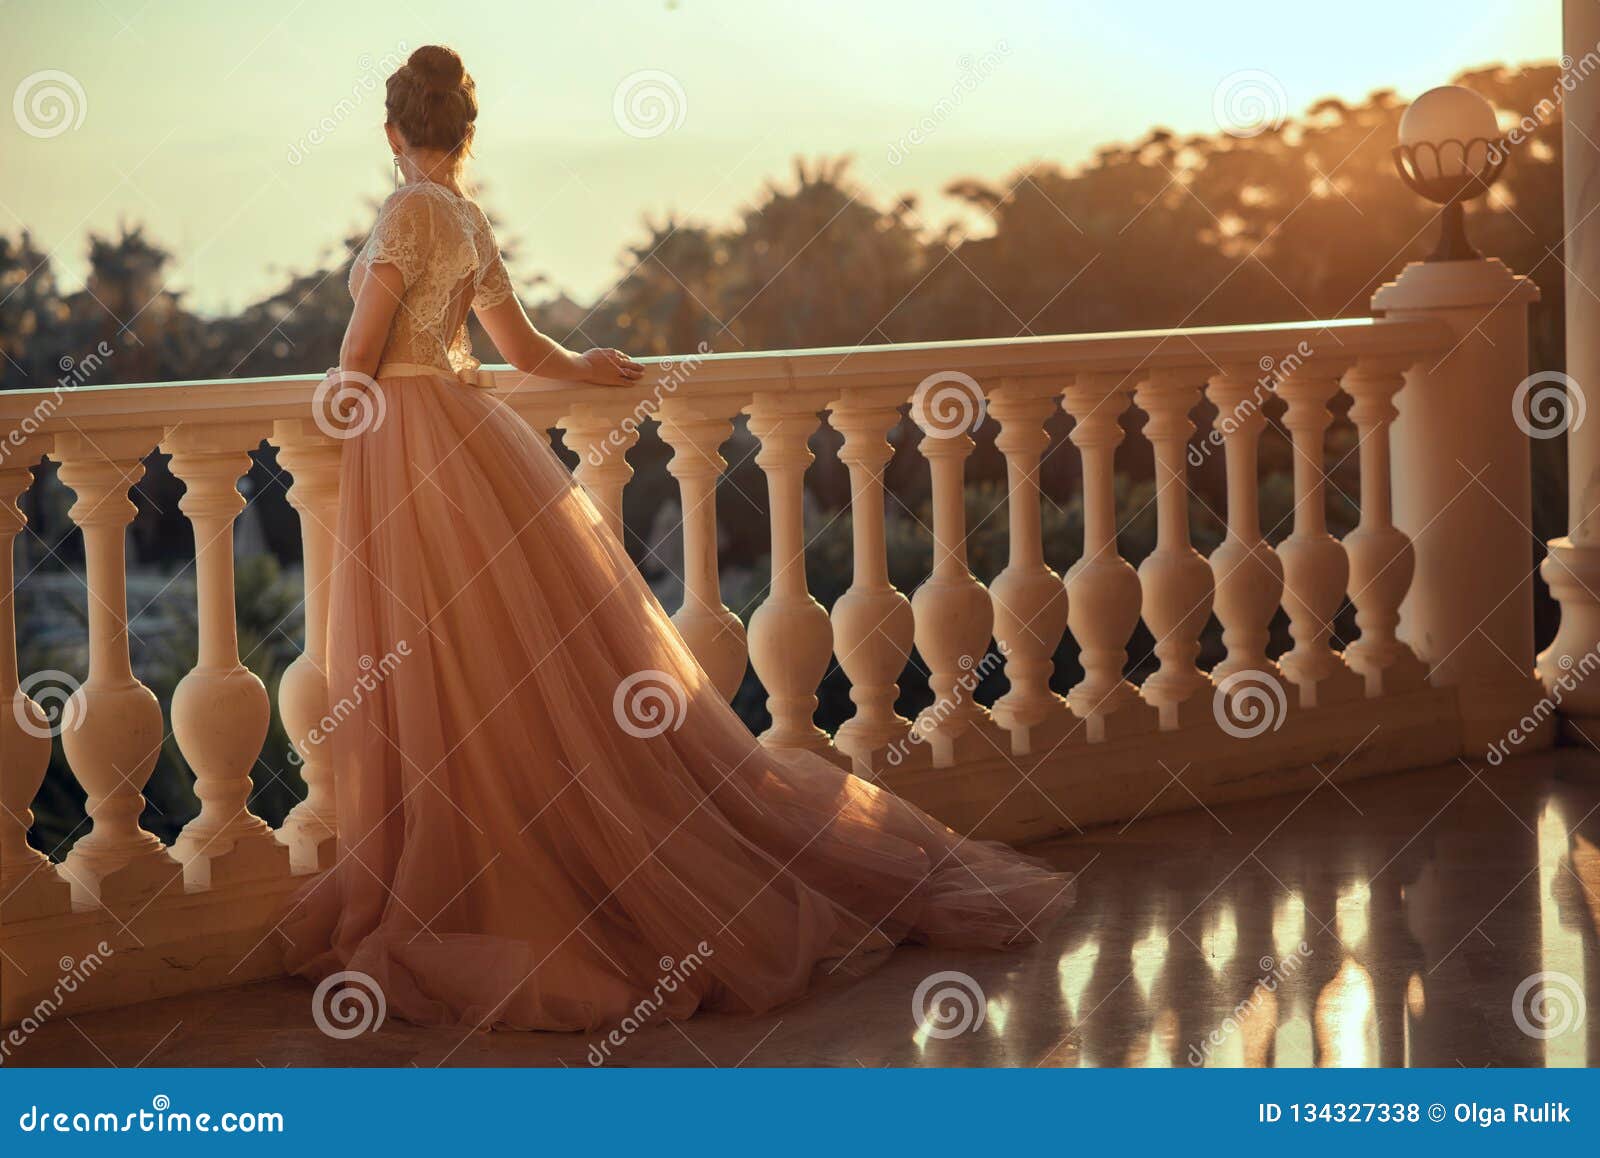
1572,569
1463,487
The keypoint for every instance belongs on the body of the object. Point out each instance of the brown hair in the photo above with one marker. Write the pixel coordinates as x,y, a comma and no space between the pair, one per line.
433,102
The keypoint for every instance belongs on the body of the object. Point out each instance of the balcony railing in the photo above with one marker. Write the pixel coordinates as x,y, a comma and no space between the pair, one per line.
203,912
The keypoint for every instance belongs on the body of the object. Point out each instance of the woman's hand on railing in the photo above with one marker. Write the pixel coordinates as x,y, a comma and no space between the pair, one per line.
604,367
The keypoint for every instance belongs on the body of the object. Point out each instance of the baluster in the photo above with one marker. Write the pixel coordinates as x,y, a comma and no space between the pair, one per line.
115,730
601,443
1103,590
1247,572
29,884
1315,570
953,614
872,621
712,632
220,710
311,830
791,638
1175,579
1382,560
1030,600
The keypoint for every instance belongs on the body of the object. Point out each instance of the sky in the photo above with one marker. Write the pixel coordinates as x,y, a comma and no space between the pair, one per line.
247,137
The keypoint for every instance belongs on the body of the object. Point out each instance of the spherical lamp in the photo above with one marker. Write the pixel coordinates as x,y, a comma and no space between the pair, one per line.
1450,151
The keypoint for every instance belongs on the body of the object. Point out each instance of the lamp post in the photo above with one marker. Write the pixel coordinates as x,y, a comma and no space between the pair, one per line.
1461,472
1449,153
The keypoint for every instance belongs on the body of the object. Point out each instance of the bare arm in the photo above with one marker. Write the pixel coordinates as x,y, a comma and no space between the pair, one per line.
368,331
532,352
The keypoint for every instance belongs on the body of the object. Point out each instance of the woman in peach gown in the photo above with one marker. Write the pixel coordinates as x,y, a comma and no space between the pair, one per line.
545,809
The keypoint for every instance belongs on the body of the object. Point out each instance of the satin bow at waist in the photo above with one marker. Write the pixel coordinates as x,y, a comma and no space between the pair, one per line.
415,370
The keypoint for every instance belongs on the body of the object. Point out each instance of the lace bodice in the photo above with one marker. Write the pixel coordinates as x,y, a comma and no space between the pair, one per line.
445,250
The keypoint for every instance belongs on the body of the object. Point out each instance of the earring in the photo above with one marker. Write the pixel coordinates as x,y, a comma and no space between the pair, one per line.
396,159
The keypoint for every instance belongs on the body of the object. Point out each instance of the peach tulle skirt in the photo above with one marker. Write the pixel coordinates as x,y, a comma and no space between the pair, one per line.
523,847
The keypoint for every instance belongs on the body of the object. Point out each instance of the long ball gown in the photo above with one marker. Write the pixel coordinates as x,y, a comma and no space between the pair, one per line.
545,808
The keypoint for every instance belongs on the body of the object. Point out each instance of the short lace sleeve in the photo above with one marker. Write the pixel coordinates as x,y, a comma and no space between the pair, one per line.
403,235
494,286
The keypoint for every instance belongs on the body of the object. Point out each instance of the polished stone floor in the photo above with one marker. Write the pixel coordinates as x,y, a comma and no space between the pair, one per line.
1441,917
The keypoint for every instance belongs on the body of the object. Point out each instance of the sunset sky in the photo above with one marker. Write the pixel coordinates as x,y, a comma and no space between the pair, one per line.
200,118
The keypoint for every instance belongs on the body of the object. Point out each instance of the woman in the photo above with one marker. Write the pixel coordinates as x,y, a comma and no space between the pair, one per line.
520,845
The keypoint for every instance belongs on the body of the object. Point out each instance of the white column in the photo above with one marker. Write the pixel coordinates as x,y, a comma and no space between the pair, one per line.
220,709
1103,592
29,885
1572,568
1175,579
1246,570
601,439
1463,492
873,623
1382,561
954,618
1030,600
311,830
791,639
1315,569
712,632
115,733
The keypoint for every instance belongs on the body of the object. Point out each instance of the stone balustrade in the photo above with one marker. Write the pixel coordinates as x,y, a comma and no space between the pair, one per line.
204,911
